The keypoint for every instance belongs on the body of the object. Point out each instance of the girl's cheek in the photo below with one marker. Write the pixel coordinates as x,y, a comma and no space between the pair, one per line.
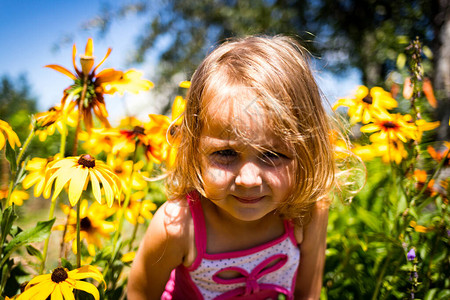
280,176
216,176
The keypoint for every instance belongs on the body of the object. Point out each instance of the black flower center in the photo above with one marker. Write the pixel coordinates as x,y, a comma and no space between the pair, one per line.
138,130
389,125
85,224
87,161
368,100
59,275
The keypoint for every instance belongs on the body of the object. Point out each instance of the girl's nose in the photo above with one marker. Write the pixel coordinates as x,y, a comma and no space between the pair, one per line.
249,175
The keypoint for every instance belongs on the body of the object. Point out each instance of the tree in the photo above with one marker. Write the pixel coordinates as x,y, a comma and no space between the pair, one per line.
366,34
16,103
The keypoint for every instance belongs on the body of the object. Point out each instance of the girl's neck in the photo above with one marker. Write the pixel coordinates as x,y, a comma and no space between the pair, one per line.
226,233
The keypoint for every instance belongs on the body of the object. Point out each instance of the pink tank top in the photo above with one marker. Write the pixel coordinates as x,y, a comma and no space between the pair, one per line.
266,270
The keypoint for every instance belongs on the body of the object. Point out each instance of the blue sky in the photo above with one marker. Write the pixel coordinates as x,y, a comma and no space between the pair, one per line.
29,30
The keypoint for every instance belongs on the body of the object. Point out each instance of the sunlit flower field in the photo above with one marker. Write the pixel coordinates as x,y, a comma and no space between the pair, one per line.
389,228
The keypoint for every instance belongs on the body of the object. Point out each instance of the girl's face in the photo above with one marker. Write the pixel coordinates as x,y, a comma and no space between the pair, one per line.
244,182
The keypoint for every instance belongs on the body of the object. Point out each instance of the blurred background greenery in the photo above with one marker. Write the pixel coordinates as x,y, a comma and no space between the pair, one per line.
364,259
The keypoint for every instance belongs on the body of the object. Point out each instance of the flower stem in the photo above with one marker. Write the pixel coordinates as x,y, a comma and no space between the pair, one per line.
25,146
78,236
122,215
136,226
380,277
13,179
47,240
62,245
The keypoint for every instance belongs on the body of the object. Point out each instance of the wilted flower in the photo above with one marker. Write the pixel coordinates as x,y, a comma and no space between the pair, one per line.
89,87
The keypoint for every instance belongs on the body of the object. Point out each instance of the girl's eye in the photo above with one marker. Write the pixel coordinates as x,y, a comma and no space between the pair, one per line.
272,158
225,156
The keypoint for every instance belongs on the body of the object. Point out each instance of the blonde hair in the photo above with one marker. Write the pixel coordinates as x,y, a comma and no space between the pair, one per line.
276,70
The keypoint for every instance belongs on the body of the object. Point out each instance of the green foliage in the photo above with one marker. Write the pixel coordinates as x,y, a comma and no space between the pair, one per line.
365,34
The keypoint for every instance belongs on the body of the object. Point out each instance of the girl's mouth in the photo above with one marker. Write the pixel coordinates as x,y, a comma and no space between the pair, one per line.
248,200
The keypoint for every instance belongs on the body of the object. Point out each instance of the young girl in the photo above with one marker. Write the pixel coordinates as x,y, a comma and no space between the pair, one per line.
248,211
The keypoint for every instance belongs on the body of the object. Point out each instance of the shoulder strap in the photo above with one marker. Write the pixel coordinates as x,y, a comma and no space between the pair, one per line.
289,228
195,206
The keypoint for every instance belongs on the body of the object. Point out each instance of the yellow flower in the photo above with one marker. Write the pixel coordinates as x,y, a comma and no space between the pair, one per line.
79,170
419,228
151,135
99,140
393,151
61,283
421,125
48,121
36,168
17,196
366,152
123,170
129,122
138,209
128,257
364,106
89,87
130,81
6,133
185,84
390,128
93,225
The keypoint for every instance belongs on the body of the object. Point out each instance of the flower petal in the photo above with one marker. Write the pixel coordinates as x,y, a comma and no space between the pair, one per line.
62,177
77,183
62,70
85,272
95,187
57,293
38,279
88,287
103,60
67,291
109,195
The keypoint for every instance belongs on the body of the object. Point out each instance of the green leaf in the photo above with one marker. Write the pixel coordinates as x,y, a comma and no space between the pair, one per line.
8,218
444,294
32,235
66,264
11,157
370,219
34,252
401,61
430,294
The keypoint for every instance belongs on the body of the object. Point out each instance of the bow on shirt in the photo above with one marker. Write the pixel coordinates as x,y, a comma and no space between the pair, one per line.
252,286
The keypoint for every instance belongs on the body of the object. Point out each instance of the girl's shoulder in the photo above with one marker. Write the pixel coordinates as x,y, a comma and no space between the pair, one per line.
172,224
174,218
